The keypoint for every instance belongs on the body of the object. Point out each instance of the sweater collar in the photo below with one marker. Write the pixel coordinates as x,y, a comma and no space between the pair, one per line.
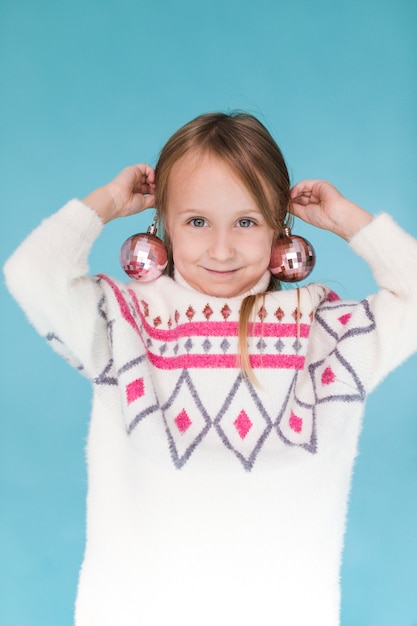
260,287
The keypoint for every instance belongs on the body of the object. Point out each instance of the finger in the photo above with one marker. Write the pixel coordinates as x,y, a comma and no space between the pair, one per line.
303,198
144,189
150,174
304,188
145,172
145,179
149,202
139,203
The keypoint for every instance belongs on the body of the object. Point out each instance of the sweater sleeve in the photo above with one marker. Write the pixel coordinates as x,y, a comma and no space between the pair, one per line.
392,256
47,275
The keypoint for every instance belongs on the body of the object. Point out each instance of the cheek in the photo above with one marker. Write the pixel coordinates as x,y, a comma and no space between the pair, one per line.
184,249
261,248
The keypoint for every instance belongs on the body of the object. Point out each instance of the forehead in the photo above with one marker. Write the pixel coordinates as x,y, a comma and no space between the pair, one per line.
193,161
204,173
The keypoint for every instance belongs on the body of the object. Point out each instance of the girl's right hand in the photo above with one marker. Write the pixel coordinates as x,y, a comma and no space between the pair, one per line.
130,192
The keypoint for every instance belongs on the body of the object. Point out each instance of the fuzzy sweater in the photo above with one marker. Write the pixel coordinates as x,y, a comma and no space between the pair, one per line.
212,500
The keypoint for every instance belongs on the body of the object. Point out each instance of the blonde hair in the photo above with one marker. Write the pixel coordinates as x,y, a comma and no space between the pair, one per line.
245,145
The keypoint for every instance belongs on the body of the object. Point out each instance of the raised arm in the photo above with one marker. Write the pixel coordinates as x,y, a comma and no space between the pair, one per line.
320,204
387,334
132,191
47,274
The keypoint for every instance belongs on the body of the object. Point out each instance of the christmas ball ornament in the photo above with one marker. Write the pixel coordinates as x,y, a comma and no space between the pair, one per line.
292,258
144,256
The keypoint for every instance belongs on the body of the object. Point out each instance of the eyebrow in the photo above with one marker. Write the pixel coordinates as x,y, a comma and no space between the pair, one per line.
236,213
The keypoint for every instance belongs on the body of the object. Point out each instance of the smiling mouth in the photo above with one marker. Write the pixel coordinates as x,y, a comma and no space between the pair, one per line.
221,272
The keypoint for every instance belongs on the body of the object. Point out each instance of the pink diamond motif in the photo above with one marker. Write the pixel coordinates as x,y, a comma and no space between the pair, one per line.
207,311
190,312
343,319
182,421
279,314
243,424
296,423
332,297
225,311
328,376
135,390
262,313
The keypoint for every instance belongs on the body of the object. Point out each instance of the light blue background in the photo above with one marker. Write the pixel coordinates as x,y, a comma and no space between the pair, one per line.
88,87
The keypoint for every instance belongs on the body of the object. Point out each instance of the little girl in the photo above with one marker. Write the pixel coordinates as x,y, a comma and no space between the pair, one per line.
226,412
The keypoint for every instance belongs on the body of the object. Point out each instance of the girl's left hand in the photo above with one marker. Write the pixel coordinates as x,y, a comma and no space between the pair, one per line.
319,203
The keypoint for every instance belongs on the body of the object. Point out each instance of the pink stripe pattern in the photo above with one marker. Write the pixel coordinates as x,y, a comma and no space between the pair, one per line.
179,346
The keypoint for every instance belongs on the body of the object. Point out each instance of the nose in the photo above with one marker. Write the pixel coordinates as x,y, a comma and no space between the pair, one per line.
221,247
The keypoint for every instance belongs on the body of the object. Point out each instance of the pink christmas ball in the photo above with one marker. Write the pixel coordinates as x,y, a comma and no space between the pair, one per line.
292,258
143,257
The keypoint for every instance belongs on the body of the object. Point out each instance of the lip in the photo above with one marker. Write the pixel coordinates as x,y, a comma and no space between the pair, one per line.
221,273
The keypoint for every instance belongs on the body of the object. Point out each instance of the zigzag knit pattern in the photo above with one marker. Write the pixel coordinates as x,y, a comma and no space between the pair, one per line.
188,342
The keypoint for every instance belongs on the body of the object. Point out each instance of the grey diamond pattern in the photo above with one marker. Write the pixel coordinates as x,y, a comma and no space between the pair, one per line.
280,346
206,345
225,345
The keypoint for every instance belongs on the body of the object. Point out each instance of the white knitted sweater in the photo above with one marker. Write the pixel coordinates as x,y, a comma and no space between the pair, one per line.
213,501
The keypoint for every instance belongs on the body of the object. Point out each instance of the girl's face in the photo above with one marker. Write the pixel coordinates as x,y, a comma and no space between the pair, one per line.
220,240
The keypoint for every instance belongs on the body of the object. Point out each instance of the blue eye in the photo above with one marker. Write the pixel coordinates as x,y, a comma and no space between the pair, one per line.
198,222
245,222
